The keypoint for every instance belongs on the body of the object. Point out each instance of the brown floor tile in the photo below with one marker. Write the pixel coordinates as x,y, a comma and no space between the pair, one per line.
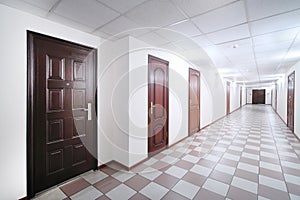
108,170
252,151
194,178
294,189
206,194
166,180
174,196
107,184
74,186
271,193
249,161
220,176
291,171
184,164
138,196
237,153
246,175
137,182
160,165
271,173
235,193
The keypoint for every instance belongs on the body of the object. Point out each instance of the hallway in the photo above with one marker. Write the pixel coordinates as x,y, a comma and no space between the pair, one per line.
250,154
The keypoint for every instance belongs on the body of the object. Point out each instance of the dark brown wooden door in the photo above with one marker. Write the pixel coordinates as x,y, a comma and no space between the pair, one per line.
258,96
62,119
241,96
158,104
290,101
194,101
227,98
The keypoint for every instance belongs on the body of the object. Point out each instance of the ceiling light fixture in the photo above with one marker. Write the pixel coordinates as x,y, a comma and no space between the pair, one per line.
235,46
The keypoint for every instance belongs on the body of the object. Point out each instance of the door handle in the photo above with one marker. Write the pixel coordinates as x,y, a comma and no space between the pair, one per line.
151,107
89,111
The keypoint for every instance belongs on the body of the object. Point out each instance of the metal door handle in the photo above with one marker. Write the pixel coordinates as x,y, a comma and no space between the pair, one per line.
89,111
151,107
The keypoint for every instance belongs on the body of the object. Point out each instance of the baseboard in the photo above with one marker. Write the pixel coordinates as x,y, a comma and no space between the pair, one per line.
286,124
24,198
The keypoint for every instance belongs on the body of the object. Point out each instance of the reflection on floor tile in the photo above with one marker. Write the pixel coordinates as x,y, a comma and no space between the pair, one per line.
249,154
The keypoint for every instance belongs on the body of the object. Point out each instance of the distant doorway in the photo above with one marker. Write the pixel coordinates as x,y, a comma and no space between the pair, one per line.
258,96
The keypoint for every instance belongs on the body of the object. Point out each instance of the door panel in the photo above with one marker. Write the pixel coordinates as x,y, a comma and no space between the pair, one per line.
158,104
290,101
194,101
62,84
227,98
258,96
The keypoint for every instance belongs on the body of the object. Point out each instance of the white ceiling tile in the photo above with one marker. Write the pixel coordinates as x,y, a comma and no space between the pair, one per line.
171,35
276,23
243,46
171,47
187,44
231,34
221,18
44,4
62,20
21,5
153,39
196,7
270,55
119,25
202,41
263,8
88,12
186,27
293,54
123,5
275,37
155,13
283,46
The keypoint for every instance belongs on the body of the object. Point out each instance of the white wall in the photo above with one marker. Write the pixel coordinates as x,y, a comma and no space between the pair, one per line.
13,89
249,96
234,97
282,97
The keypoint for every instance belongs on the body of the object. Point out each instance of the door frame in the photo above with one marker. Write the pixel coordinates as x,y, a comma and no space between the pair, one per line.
149,104
293,116
31,98
199,92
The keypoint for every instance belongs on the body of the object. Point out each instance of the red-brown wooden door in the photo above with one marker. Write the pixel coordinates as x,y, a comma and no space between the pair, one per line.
194,101
258,96
290,101
158,104
62,122
227,98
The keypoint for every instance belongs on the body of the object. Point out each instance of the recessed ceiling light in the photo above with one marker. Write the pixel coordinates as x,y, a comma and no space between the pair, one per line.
235,46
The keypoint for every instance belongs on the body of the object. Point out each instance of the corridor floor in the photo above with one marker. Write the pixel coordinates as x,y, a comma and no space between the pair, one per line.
250,154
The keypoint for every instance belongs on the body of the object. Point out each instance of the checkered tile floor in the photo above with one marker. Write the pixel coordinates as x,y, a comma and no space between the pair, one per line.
250,154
